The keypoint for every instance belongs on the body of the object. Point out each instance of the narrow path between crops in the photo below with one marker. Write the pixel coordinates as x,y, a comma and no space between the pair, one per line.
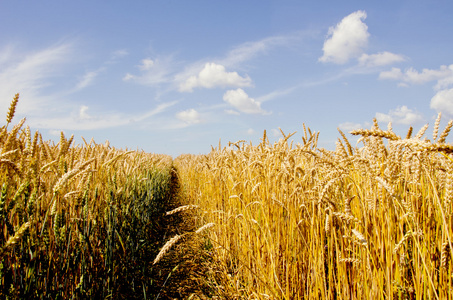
181,273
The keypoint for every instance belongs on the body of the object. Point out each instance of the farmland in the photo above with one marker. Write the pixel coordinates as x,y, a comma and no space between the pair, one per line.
285,220
293,221
78,221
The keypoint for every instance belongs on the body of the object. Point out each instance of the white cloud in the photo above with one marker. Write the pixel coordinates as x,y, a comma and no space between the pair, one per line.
383,118
413,76
128,77
212,76
380,59
400,115
147,64
443,76
443,101
348,126
190,116
447,80
250,131
393,74
347,40
242,102
83,113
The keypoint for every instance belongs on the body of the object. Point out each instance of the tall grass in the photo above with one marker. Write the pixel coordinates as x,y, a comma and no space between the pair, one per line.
294,221
76,221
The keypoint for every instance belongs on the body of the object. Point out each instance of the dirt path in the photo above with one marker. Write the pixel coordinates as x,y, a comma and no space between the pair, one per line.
182,272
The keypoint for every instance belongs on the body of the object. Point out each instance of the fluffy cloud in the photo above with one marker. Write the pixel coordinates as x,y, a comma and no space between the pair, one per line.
242,102
212,76
443,101
380,59
346,40
393,74
190,116
446,81
400,115
444,76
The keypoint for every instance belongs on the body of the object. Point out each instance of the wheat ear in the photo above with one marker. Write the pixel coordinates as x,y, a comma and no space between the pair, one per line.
445,133
436,127
204,227
166,248
12,109
15,239
181,208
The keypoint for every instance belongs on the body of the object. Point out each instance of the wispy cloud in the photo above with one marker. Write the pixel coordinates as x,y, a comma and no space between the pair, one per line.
209,72
278,93
30,73
249,50
117,54
154,72
87,79
83,119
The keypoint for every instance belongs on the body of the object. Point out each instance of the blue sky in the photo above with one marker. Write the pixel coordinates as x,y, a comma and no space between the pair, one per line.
178,76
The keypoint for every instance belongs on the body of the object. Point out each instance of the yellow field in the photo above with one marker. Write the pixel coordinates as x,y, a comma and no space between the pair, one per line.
280,221
299,222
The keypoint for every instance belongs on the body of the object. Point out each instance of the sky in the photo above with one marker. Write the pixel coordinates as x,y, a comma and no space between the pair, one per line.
177,77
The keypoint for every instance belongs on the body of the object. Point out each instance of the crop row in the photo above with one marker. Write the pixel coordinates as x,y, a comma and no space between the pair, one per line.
77,221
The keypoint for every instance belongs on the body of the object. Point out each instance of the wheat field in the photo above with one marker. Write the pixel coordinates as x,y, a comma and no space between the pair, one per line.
294,221
287,220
